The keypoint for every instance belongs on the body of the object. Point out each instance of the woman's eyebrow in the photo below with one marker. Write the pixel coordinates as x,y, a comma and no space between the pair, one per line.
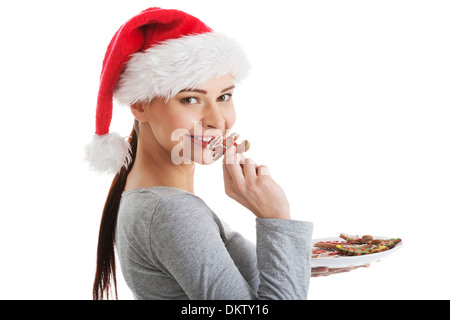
194,90
205,92
229,88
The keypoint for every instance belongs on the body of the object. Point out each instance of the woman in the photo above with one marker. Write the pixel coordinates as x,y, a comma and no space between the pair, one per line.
176,74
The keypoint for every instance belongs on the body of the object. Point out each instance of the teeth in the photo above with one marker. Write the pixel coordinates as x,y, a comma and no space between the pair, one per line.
205,139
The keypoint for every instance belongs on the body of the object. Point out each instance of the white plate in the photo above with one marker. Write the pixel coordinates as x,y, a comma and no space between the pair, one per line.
351,261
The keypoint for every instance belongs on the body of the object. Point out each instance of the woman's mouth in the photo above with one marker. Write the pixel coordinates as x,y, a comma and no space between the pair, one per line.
201,140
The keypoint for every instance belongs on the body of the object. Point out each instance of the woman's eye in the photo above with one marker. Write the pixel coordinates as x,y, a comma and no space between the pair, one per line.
225,97
189,100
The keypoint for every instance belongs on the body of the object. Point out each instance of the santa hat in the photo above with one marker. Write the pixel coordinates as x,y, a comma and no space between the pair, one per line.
157,53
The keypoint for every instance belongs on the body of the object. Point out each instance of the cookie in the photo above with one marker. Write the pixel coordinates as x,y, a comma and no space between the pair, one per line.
328,244
320,253
390,243
356,239
218,145
353,246
355,250
367,239
379,249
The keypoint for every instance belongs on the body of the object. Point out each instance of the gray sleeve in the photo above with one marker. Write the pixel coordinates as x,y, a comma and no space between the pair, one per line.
283,249
243,253
187,245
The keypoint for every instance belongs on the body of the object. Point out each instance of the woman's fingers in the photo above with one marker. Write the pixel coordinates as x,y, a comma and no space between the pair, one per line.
262,170
249,185
249,168
231,163
324,271
319,271
226,176
239,167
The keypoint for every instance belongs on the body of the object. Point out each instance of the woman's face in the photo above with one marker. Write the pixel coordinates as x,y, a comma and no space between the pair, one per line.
183,125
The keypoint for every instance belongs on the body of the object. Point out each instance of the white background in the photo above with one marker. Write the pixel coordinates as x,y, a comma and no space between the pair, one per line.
348,103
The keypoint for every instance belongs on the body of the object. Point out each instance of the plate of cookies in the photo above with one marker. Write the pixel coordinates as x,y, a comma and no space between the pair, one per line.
352,250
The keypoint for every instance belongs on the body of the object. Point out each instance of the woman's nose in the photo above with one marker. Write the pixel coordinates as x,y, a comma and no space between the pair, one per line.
213,117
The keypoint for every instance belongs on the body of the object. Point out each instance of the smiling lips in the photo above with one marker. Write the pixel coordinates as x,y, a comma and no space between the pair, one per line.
201,140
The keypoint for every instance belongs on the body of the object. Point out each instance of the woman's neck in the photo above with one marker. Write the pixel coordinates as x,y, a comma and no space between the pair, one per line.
153,167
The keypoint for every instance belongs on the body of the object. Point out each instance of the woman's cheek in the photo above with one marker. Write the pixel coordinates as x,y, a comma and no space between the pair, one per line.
230,118
178,129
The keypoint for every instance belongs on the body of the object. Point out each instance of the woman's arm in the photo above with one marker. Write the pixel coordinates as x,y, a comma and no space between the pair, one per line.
253,187
187,245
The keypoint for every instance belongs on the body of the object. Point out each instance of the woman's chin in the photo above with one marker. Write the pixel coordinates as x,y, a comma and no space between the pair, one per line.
205,159
203,156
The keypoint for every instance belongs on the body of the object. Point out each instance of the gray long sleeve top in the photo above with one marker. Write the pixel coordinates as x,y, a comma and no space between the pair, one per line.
171,245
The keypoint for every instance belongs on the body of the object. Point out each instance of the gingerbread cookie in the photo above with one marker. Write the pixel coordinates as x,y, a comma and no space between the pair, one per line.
320,253
328,245
356,239
379,249
355,250
218,145
390,243
353,246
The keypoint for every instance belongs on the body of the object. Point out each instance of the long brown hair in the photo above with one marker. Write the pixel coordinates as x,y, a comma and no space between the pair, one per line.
106,265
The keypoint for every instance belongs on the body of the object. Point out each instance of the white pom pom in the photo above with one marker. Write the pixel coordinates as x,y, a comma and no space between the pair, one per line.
108,153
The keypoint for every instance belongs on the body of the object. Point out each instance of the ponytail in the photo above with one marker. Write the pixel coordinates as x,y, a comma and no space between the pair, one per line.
106,267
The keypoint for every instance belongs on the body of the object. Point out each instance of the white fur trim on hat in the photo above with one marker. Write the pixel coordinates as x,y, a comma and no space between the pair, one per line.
108,153
165,69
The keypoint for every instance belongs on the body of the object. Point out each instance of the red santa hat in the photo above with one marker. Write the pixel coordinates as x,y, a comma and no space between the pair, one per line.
157,53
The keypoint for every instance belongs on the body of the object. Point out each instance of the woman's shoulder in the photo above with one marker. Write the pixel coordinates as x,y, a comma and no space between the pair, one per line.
159,191
159,194
168,200
163,208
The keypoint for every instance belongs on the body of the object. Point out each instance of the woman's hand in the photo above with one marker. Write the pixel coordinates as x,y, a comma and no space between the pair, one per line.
324,271
253,187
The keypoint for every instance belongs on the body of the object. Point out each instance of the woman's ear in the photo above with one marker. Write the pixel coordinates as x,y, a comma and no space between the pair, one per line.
138,111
